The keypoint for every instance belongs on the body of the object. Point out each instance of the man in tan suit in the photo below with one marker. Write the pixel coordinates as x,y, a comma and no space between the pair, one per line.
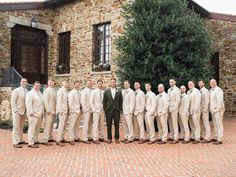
18,113
35,113
184,113
217,109
139,111
74,97
174,98
150,113
128,109
96,104
87,113
195,111
49,99
162,114
62,109
204,120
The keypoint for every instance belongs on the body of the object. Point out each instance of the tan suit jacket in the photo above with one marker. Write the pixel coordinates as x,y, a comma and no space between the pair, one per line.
74,97
34,103
49,99
128,101
18,100
195,100
162,104
205,99
85,99
96,100
151,103
62,101
139,102
184,104
174,98
217,100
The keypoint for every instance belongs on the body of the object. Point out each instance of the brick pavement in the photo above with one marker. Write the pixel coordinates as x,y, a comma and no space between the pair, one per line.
122,159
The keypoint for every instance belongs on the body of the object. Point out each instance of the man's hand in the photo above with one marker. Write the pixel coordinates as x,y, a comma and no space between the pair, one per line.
48,113
32,115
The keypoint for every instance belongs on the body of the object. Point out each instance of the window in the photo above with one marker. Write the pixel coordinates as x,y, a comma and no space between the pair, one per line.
216,66
63,66
102,52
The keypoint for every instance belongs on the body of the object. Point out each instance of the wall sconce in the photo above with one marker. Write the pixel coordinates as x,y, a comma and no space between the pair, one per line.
33,22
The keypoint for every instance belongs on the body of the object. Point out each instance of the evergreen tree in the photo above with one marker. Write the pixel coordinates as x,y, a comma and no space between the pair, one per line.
163,39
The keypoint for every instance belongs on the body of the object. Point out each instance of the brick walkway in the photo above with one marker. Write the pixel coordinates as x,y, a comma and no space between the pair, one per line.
122,159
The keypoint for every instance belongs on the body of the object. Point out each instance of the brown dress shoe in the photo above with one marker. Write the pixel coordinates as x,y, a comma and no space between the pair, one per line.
86,142
170,139
22,142
181,139
136,139
102,140
141,141
191,139
158,140
196,142
60,144
201,138
161,142
33,146
129,141
124,140
117,141
174,142
71,143
205,141
17,146
185,142
217,142
51,141
109,141
37,142
47,144
96,142
64,141
150,142
213,140
77,140
90,139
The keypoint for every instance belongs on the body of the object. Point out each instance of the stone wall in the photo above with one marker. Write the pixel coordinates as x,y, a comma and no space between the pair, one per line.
224,40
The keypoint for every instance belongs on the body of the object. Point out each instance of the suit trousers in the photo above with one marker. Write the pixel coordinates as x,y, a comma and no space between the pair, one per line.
140,119
18,125
163,127
124,126
63,120
33,128
205,126
194,121
98,125
74,123
39,125
87,125
149,119
110,116
217,119
136,128
129,122
182,130
173,125
184,121
48,127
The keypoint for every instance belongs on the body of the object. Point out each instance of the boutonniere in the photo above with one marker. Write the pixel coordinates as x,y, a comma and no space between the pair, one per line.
117,90
136,93
190,91
171,88
160,95
182,95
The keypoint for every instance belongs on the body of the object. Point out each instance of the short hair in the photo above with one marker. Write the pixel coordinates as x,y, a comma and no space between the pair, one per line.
161,85
192,82
172,79
201,81
36,82
126,81
64,80
51,79
114,79
78,81
23,78
138,82
100,80
89,80
149,83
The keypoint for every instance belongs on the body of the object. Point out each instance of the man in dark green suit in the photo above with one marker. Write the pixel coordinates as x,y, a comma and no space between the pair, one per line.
112,105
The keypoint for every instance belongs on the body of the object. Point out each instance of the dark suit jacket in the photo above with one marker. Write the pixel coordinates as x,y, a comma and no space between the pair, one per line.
109,104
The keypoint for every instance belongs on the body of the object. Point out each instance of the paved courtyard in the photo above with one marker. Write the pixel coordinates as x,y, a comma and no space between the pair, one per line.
122,159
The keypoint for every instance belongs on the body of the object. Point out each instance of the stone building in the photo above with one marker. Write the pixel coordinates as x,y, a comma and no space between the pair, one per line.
74,39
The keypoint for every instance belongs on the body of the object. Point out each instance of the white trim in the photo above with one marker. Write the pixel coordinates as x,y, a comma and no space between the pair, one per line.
63,75
100,72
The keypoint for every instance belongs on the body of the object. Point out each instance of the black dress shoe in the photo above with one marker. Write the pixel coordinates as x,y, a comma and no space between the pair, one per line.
17,146
205,141
37,142
22,142
51,141
213,140
90,139
102,140
217,142
185,142
109,141
136,139
196,142
181,139
77,140
33,146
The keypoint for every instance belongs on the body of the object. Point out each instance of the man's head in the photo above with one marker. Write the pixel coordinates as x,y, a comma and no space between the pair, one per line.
126,84
137,85
213,83
23,82
65,83
100,83
172,82
36,85
148,86
77,84
161,88
51,83
89,83
183,89
201,84
113,82
191,84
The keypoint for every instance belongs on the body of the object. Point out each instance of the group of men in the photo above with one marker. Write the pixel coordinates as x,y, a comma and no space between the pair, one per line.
136,110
